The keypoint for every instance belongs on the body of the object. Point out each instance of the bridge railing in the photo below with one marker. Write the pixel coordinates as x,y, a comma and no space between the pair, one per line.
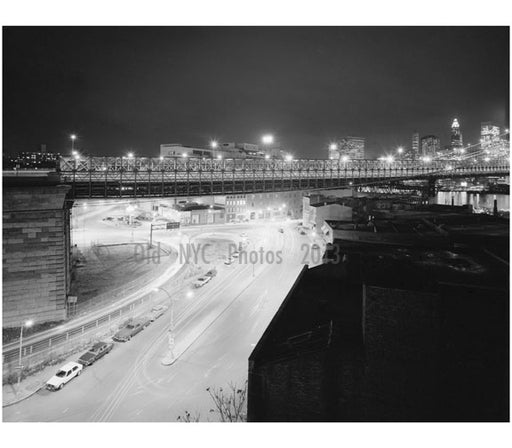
168,164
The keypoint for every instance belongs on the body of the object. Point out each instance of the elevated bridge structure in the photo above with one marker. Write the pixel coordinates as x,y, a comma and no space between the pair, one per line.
104,177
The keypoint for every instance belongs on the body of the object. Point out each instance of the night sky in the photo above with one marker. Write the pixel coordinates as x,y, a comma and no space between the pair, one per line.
125,89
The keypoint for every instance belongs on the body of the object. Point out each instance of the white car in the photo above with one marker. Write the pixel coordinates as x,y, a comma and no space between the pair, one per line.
201,281
157,311
64,375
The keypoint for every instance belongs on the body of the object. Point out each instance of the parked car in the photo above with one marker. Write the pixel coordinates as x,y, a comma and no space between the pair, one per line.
201,281
64,375
229,261
129,330
95,352
157,311
211,273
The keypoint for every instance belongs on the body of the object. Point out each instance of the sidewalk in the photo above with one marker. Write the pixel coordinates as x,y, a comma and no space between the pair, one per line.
31,384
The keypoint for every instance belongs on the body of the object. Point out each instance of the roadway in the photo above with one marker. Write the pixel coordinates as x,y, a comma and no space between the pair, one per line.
216,329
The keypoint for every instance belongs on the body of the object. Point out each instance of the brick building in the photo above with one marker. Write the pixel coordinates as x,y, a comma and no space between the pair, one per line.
36,251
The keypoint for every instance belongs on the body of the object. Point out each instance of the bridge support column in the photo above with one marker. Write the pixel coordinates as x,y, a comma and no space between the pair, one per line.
431,191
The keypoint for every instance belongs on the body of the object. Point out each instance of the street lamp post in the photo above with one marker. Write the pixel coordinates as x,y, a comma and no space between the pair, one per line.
169,358
73,138
27,324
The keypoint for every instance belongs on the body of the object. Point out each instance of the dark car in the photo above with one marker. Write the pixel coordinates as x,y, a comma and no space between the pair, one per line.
95,352
211,273
129,330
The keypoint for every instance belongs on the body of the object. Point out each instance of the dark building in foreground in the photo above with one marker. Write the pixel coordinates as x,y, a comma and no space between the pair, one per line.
408,320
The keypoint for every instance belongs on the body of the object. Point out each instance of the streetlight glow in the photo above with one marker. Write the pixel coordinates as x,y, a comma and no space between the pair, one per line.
267,156
130,155
214,144
29,323
219,157
267,139
289,158
333,146
344,158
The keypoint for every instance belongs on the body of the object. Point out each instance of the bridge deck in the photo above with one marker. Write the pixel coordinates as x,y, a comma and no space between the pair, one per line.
141,176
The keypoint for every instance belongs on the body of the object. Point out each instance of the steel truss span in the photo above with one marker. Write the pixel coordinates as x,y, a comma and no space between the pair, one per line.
100,177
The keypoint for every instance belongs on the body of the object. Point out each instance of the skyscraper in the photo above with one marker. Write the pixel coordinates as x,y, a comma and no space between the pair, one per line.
415,148
456,137
489,136
430,146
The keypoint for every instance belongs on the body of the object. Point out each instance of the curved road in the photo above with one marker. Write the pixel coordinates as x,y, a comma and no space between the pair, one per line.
216,330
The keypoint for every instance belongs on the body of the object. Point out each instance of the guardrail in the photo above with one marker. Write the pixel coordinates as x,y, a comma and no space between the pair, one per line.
37,352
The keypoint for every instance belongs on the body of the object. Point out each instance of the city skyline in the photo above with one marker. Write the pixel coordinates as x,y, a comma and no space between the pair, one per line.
146,66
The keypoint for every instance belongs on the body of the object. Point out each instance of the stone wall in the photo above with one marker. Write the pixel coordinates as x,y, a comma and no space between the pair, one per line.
36,254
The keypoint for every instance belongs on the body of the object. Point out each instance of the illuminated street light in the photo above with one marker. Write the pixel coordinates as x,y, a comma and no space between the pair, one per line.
426,159
184,155
130,155
73,138
390,159
344,158
74,153
169,358
333,146
214,144
161,157
219,157
77,156
267,139
267,156
400,150
487,159
27,324
289,158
